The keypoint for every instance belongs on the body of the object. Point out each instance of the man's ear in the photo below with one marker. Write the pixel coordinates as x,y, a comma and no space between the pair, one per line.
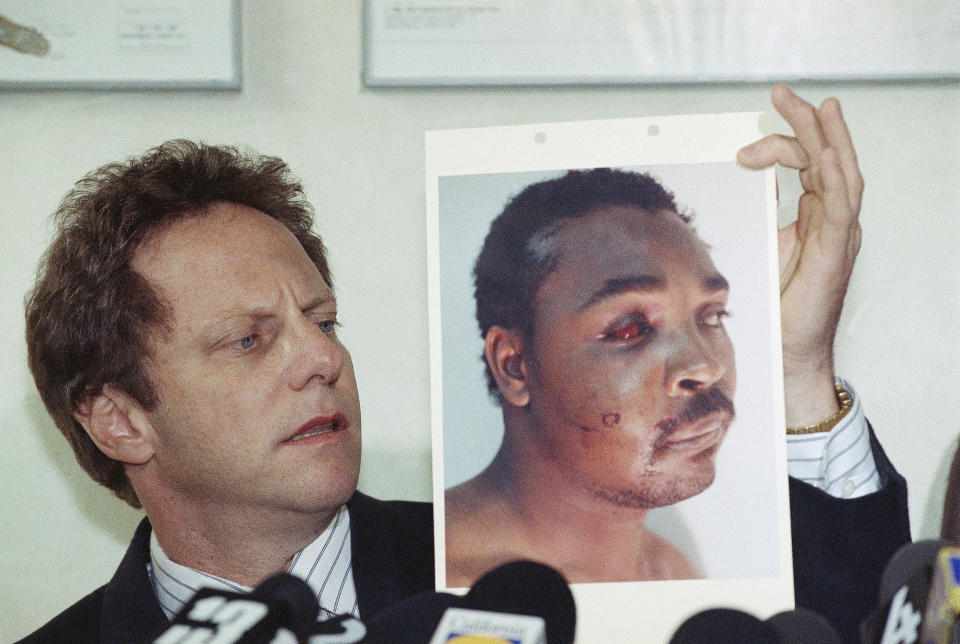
117,425
504,353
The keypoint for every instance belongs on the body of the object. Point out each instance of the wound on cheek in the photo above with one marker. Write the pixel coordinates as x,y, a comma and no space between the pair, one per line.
610,419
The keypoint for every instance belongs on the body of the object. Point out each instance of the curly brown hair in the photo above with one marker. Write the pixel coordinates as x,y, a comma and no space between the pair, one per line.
89,315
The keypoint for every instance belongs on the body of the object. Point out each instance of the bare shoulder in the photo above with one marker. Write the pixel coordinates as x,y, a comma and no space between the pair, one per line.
476,538
670,562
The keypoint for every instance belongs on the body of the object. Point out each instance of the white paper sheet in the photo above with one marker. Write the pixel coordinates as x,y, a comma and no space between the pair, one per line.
737,531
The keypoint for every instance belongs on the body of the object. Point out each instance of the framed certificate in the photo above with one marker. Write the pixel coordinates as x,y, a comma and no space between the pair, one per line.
543,42
120,44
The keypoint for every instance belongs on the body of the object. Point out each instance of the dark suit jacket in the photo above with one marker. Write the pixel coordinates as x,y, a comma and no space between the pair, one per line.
392,545
841,546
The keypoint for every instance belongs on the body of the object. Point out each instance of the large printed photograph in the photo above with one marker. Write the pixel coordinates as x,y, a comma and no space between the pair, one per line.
608,376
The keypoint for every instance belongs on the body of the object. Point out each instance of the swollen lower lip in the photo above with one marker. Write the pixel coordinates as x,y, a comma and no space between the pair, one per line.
695,442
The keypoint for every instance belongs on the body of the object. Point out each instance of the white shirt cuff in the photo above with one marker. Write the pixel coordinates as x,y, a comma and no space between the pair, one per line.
839,462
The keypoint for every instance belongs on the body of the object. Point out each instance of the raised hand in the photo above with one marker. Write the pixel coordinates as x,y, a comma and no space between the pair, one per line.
817,251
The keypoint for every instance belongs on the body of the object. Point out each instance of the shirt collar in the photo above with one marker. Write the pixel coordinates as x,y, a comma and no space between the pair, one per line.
325,564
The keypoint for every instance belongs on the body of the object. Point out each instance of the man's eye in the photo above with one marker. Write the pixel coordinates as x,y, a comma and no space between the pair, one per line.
327,326
715,319
247,342
628,331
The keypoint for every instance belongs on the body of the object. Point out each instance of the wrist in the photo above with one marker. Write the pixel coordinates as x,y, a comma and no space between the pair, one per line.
844,405
809,397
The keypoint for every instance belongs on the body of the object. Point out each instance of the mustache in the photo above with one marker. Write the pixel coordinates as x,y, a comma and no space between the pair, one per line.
701,404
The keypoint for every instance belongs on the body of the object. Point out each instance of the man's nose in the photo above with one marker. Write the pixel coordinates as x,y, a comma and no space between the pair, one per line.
693,366
313,355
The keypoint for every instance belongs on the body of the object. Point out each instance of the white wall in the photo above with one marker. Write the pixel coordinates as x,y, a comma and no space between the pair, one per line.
360,154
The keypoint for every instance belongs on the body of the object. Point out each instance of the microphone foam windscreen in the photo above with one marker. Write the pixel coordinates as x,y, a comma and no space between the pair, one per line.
412,620
724,626
528,588
803,626
906,562
297,598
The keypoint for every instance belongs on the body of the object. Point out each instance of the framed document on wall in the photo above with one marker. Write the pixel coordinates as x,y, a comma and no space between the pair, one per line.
543,42
120,44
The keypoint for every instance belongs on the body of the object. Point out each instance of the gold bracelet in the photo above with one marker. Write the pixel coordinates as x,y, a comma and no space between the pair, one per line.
846,404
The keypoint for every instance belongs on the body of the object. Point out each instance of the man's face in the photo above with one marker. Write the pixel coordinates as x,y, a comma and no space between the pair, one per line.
632,371
258,403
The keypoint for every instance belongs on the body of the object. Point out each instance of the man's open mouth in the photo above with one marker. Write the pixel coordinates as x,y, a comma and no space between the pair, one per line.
317,427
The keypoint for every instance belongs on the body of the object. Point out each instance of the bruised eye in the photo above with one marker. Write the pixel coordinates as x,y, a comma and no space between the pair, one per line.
715,319
627,330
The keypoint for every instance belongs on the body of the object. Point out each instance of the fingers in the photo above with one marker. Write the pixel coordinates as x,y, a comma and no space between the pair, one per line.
838,137
774,149
798,151
815,130
825,218
834,193
802,117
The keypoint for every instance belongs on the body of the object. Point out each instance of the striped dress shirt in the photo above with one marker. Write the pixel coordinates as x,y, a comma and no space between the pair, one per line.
325,565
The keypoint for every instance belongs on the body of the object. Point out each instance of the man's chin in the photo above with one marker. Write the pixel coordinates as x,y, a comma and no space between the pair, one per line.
660,493
322,491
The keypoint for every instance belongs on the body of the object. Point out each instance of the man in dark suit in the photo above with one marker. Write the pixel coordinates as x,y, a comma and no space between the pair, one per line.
182,335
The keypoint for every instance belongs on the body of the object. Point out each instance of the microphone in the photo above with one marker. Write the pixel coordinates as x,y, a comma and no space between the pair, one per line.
800,626
903,596
283,609
530,601
412,620
529,588
943,601
803,626
342,629
470,625
724,625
